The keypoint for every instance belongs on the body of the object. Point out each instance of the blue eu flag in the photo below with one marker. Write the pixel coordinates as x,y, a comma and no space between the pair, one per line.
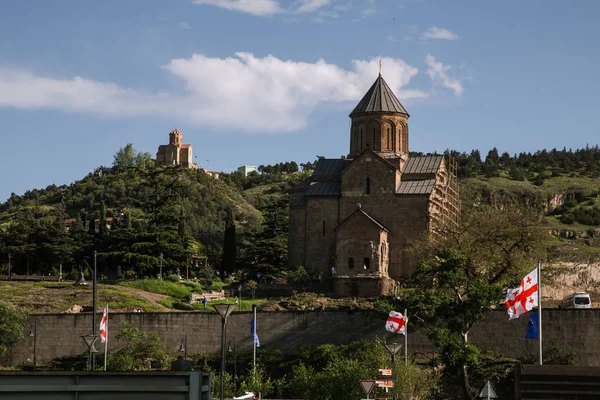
533,327
254,334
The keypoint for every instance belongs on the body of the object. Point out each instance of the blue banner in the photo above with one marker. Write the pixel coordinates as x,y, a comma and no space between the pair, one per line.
533,327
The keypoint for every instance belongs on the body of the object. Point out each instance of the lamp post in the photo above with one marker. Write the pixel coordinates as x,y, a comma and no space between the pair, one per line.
90,340
393,348
81,281
183,347
223,310
234,350
160,270
33,334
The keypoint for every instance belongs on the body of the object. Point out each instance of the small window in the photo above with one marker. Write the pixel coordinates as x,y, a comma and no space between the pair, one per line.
323,227
350,263
368,185
367,263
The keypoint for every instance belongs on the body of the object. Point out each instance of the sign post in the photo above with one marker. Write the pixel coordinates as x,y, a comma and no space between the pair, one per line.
488,392
367,386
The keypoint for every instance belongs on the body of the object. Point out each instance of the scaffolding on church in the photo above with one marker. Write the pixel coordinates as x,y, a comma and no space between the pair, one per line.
445,203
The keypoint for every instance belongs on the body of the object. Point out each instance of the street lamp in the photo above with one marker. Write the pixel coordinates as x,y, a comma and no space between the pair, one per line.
223,310
393,348
81,281
183,347
33,334
234,350
90,340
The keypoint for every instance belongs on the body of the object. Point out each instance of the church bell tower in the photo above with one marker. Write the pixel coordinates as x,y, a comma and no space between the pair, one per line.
379,123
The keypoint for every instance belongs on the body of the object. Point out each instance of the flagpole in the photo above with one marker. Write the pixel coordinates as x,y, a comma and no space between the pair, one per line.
106,341
405,338
539,276
254,342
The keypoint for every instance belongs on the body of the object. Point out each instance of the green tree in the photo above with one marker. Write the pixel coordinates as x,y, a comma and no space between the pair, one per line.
128,157
141,352
462,274
229,244
12,327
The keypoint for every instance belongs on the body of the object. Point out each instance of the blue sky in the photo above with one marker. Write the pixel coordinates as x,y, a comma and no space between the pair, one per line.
262,81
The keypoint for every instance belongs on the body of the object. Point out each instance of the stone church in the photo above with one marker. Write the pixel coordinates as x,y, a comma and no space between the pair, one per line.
355,218
176,153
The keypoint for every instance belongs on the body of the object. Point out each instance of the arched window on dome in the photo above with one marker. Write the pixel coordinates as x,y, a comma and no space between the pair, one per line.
368,185
389,138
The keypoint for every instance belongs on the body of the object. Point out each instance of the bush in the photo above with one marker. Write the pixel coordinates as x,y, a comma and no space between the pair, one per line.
173,278
12,327
567,218
142,352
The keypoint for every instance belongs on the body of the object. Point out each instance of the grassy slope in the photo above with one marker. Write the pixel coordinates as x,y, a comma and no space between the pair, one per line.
58,297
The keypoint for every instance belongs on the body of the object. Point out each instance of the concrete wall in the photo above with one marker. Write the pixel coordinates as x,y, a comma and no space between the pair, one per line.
59,334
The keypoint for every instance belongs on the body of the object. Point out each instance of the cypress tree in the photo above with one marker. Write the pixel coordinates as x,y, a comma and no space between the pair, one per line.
229,244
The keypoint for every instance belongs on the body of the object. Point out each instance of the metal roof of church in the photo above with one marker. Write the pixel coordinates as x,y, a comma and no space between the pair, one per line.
325,188
422,165
416,187
329,167
379,98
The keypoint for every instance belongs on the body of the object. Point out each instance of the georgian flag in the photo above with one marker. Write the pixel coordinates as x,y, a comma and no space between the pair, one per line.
104,326
523,298
396,323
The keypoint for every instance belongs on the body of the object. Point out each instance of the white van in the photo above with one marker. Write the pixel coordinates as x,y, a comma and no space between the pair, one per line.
577,300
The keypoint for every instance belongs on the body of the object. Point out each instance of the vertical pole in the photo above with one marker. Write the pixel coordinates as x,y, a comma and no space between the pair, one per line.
106,347
34,345
9,266
405,338
539,276
254,343
223,326
234,365
395,380
94,310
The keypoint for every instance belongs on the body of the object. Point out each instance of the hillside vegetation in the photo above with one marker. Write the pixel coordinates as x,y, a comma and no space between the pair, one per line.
139,217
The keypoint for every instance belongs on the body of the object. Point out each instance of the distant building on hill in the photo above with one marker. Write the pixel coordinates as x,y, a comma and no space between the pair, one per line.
246,169
175,153
356,218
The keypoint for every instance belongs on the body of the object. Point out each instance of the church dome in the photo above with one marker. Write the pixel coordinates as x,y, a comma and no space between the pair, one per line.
379,98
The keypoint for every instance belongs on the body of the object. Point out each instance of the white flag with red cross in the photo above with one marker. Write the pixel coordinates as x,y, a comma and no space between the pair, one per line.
396,323
104,326
523,298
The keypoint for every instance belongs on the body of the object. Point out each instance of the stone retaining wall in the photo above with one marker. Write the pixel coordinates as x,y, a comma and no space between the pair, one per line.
60,334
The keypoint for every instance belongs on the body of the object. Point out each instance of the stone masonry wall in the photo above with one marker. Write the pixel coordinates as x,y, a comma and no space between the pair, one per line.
59,334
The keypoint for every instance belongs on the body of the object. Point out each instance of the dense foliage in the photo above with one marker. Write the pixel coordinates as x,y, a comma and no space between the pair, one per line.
461,277
139,217
134,211
12,327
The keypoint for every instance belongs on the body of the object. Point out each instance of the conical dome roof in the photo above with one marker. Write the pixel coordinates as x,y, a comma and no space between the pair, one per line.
379,98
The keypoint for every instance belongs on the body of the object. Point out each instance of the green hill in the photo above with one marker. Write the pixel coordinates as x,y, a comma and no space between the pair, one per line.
133,212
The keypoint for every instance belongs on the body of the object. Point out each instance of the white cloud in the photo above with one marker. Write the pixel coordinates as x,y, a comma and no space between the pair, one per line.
367,12
242,92
184,25
439,33
308,6
267,8
254,7
438,74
